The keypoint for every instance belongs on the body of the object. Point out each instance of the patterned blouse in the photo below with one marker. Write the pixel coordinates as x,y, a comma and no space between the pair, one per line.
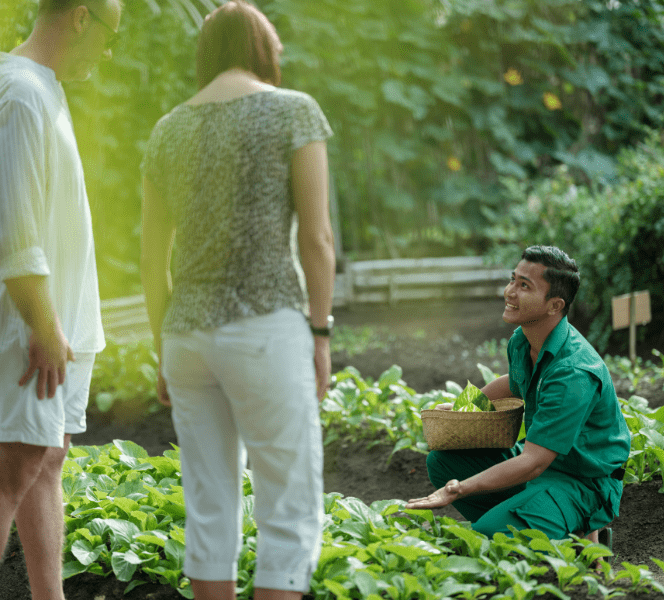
224,172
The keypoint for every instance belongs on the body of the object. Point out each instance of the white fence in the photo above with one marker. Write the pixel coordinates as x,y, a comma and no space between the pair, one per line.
365,282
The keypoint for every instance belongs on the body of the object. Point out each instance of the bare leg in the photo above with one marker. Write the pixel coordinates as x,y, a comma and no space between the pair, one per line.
213,590
19,468
268,594
593,536
40,523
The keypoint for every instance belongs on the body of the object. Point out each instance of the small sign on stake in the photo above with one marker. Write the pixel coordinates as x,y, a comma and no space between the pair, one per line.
630,310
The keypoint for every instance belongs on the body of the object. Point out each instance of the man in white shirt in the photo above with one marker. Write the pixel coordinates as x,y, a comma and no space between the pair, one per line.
49,294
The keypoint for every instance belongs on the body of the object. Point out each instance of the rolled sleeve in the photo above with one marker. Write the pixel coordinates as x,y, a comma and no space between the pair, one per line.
565,400
22,200
31,261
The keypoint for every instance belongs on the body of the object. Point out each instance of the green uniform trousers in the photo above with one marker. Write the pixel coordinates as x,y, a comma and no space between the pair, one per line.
555,503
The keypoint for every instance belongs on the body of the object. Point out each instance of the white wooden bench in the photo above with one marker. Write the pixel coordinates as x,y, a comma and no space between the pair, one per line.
365,282
390,281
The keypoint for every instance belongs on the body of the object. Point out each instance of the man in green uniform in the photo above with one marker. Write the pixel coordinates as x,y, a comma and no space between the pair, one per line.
566,476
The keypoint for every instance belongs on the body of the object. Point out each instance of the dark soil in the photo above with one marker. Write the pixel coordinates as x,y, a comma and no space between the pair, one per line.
433,343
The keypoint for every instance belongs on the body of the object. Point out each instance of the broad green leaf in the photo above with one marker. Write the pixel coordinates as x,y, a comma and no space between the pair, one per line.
472,399
124,569
336,588
130,448
85,553
71,568
390,377
487,374
175,551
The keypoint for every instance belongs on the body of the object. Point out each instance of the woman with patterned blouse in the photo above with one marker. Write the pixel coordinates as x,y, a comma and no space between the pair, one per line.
237,178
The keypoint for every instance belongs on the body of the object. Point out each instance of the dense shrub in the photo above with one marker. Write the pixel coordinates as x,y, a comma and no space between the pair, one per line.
616,233
431,102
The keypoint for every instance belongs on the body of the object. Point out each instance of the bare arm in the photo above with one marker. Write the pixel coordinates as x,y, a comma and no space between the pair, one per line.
498,388
157,237
49,350
529,465
316,241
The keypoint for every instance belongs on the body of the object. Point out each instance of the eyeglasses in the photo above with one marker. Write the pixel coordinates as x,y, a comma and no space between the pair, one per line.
113,38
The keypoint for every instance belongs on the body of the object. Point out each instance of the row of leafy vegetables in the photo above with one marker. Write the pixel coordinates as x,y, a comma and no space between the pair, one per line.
125,516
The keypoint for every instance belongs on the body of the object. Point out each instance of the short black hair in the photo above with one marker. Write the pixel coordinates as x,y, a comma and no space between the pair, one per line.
561,272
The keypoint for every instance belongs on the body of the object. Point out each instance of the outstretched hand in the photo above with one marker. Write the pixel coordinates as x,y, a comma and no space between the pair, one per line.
442,497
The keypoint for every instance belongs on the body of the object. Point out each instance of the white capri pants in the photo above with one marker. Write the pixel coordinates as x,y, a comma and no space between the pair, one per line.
249,388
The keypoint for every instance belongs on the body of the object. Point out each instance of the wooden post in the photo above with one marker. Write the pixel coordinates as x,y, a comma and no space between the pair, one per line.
632,328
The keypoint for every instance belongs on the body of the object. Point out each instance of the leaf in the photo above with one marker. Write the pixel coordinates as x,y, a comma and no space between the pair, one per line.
123,568
390,377
85,553
71,568
453,388
472,399
130,448
336,588
487,374
133,585
175,551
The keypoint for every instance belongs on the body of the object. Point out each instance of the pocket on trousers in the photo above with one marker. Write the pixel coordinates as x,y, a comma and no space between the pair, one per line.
549,511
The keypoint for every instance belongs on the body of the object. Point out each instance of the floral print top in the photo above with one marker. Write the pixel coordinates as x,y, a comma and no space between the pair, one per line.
224,172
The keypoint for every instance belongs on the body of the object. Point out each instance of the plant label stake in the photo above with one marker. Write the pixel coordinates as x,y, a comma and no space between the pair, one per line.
630,310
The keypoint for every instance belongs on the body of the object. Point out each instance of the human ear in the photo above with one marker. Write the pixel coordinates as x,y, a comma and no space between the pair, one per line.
80,18
556,305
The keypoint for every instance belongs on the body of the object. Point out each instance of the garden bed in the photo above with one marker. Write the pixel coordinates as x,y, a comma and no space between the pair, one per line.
437,344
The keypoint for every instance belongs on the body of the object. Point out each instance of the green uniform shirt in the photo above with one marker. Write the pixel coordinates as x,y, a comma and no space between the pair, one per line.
571,408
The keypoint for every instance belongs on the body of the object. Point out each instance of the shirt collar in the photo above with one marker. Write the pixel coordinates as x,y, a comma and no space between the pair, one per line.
553,343
555,340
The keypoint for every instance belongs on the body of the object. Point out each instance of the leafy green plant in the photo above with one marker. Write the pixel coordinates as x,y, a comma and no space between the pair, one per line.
125,516
615,233
124,512
386,411
646,457
472,399
126,374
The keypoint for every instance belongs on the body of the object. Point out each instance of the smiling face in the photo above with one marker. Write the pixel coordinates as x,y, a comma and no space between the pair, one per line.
525,296
96,28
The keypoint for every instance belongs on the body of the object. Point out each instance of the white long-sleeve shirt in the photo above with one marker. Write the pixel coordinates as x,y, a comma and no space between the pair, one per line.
45,222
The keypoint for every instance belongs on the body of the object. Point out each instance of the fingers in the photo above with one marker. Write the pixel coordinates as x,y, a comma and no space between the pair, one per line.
444,406
70,355
27,376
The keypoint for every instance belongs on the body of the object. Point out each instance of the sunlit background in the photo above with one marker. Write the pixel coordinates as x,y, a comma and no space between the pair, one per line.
461,127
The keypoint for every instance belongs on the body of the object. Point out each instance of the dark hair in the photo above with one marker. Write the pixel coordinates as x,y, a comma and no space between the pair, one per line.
237,34
561,272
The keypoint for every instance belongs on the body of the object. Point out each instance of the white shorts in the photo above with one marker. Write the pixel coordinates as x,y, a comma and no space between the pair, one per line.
248,388
24,418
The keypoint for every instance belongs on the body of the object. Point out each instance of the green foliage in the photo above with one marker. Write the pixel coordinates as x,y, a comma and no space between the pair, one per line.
431,102
616,234
126,373
471,399
125,516
646,426
385,411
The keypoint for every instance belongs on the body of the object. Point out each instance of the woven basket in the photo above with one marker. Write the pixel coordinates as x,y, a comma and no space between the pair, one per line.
453,430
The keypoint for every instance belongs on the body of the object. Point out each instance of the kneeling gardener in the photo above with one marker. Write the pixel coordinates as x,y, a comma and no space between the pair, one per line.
567,475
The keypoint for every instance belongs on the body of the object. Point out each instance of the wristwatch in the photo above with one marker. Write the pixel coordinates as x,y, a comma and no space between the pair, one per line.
323,331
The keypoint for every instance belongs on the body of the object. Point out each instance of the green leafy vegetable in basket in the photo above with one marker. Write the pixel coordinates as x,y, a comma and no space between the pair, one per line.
472,399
